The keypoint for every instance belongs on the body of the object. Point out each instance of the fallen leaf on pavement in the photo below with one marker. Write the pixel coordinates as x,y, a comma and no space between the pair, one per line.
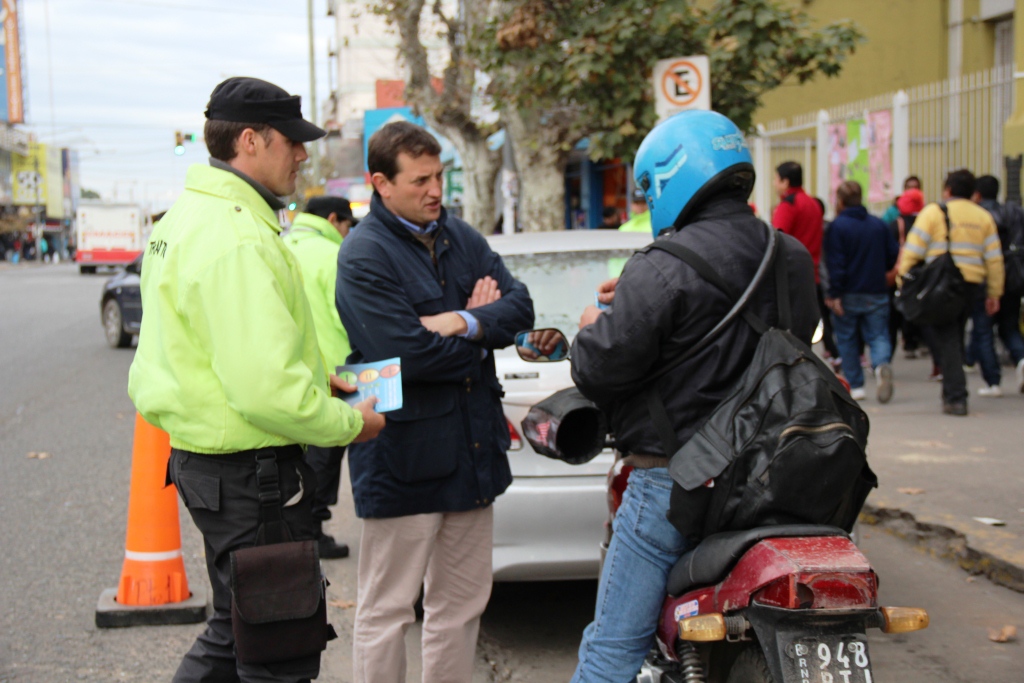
341,604
926,444
971,579
910,490
991,521
37,455
1004,635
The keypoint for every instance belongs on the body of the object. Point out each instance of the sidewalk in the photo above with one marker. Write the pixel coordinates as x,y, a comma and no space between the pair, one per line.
951,470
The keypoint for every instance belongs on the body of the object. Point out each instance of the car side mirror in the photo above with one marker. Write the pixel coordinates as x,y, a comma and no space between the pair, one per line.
134,267
546,345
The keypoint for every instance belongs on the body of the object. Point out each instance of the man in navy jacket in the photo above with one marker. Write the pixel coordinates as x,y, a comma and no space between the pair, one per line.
860,250
423,286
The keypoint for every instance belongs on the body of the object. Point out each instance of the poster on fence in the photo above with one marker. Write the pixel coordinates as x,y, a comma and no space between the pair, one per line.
861,150
880,156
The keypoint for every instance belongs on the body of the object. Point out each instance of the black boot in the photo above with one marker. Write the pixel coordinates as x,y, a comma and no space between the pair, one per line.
331,549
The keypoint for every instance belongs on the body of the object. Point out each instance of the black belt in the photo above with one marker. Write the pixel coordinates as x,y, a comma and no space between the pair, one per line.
248,457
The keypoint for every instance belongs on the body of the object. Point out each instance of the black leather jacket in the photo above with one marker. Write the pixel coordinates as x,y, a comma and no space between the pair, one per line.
662,307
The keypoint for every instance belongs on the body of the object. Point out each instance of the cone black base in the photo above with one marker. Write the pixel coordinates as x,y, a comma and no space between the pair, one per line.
111,614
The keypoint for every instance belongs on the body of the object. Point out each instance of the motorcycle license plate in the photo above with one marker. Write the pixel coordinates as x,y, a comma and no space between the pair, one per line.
831,659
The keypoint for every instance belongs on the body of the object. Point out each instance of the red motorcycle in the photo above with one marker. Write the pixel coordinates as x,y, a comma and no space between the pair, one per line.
775,604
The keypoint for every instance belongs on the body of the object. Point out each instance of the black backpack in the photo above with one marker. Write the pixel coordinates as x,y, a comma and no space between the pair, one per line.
1010,220
786,445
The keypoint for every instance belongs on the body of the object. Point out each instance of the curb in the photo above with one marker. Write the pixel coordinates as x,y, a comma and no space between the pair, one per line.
946,543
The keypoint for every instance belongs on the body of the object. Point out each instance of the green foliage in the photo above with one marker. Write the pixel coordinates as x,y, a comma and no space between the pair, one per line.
594,59
86,193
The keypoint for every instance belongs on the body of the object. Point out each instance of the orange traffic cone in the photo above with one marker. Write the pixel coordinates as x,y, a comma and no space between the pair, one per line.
153,587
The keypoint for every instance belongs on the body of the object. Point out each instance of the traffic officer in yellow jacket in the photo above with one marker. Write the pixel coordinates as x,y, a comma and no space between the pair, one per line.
971,238
228,362
640,217
315,238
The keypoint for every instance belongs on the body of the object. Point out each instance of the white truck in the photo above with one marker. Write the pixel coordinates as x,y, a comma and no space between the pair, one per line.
108,234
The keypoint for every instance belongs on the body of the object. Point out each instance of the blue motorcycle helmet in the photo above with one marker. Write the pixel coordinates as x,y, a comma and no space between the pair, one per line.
688,158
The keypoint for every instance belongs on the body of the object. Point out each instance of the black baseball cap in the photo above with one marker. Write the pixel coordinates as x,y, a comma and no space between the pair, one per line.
250,100
326,205
638,196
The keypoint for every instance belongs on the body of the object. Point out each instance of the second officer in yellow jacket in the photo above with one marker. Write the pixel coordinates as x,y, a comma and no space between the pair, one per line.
315,238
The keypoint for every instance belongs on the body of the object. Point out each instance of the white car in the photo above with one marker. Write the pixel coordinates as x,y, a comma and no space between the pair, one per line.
549,524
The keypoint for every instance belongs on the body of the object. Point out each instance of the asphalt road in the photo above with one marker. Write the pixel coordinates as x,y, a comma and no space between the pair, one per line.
62,521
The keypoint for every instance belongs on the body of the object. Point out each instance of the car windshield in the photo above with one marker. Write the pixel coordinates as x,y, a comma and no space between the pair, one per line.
563,284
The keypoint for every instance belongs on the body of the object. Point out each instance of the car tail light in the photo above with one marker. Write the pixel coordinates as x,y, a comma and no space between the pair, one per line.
517,441
820,591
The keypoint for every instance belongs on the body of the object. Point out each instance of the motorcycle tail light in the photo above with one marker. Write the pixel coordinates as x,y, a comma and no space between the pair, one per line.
904,619
704,628
821,591
517,441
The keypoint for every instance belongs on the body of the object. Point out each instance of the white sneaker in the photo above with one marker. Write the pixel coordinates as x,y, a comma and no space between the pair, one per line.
991,391
883,377
858,394
1020,376
968,369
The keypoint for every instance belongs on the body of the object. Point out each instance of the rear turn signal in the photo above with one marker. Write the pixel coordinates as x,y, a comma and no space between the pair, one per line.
517,441
703,628
903,619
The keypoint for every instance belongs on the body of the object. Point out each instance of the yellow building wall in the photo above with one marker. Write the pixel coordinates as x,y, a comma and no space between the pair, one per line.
906,44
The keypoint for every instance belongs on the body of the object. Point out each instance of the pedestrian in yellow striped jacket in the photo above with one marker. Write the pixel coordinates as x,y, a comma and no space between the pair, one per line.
973,241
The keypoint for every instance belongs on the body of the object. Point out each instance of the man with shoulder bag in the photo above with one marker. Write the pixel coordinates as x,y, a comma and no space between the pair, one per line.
940,296
697,174
228,364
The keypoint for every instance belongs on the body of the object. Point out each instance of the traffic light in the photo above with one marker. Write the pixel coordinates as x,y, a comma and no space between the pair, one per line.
179,143
189,137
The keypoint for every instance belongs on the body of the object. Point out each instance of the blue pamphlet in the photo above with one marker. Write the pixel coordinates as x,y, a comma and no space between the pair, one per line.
382,379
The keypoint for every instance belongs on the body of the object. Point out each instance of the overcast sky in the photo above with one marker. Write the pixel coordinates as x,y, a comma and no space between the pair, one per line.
126,74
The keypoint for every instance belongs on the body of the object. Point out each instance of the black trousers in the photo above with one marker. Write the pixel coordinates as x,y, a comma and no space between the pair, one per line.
947,346
221,494
326,464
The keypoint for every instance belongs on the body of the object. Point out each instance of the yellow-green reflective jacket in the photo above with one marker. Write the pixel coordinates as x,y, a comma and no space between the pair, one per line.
315,243
228,358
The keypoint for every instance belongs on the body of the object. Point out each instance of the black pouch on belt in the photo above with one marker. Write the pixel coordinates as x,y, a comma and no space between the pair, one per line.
278,592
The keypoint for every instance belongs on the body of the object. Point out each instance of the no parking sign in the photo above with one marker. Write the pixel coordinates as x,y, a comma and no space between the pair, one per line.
681,83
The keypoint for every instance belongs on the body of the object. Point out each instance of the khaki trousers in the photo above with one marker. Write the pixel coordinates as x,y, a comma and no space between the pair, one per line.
449,554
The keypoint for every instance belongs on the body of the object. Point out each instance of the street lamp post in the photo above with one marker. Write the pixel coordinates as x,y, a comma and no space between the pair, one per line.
315,156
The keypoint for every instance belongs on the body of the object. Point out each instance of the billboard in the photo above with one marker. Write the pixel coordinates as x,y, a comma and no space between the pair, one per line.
38,179
12,109
28,173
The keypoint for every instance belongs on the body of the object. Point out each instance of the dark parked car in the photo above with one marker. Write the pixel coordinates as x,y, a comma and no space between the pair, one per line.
121,305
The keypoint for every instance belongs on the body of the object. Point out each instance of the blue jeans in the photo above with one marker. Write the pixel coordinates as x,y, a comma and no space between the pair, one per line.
869,313
643,550
1008,324
982,347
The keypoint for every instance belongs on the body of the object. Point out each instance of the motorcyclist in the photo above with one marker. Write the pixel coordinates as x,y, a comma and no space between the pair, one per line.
696,172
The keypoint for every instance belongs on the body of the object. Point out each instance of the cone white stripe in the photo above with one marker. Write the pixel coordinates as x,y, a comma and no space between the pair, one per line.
152,557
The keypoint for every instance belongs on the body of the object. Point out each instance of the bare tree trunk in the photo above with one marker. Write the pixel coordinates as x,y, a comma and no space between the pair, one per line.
480,171
541,153
449,112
